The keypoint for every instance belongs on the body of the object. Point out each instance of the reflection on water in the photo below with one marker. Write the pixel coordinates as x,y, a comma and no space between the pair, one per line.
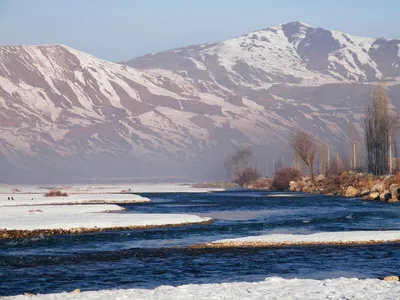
144,258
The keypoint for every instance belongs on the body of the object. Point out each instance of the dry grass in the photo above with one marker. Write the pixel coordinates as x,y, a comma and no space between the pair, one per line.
397,178
56,194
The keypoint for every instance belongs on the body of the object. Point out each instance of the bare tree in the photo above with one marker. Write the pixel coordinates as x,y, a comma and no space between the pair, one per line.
306,149
395,126
239,166
239,161
377,131
322,150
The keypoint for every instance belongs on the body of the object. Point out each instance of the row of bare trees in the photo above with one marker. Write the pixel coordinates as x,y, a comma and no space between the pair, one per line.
380,132
377,132
380,129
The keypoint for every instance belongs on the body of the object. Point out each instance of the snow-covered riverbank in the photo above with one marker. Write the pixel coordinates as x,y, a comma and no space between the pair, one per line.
271,288
107,188
40,199
320,238
25,221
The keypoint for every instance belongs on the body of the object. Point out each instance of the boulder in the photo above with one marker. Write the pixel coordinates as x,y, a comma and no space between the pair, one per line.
391,278
374,196
352,192
292,186
364,193
320,177
393,200
29,295
395,190
385,195
378,187
76,291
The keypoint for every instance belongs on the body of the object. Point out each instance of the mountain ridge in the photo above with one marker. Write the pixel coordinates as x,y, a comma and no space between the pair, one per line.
65,114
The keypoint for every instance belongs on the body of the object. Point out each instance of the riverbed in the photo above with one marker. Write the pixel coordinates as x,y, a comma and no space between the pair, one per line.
153,257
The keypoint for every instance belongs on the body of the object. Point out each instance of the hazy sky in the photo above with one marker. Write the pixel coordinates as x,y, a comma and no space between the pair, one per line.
123,29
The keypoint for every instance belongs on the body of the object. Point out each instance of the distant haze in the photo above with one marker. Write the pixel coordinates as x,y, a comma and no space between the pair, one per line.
124,29
66,115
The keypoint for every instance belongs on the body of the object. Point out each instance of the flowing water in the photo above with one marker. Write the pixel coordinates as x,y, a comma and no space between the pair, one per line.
149,258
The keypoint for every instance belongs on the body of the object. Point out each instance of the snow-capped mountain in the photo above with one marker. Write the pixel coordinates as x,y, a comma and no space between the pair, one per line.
65,114
293,53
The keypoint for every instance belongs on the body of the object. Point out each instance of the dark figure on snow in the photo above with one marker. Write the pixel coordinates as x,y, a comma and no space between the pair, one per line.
12,198
8,198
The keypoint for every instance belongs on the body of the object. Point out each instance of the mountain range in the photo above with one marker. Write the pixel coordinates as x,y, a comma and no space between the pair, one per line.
66,115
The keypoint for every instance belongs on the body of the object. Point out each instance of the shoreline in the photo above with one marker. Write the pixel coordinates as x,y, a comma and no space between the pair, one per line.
83,202
270,287
365,186
6,234
227,245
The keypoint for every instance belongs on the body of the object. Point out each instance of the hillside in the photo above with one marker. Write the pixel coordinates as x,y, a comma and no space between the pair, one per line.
66,115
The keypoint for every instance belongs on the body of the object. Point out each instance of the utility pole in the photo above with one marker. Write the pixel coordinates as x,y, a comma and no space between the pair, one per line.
390,154
354,155
266,168
283,161
329,157
337,162
273,166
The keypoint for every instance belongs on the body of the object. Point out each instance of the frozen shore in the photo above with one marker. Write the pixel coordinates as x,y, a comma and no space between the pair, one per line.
320,238
40,199
271,288
108,188
27,221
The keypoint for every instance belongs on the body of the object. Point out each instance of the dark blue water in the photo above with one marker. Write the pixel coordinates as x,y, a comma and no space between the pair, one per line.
149,258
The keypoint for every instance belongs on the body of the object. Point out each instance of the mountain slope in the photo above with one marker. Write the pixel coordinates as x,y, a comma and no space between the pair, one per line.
66,115
292,53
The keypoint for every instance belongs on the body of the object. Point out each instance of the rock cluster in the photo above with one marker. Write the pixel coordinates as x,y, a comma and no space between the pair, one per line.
347,184
352,184
262,183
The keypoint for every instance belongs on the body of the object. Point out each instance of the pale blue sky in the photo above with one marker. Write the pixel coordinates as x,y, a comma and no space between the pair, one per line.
122,29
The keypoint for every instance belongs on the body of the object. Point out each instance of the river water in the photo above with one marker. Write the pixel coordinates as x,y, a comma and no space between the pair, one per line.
145,259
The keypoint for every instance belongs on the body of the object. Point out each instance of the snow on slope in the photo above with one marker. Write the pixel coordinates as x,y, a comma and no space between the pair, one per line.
293,53
271,288
66,114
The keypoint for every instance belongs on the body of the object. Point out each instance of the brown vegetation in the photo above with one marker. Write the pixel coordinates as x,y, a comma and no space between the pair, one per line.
239,167
260,184
305,148
56,194
246,176
283,177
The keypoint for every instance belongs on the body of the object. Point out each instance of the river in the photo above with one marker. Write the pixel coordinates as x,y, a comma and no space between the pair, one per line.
153,257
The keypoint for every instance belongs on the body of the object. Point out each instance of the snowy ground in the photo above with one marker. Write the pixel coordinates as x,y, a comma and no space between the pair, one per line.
107,188
40,199
84,216
271,288
341,237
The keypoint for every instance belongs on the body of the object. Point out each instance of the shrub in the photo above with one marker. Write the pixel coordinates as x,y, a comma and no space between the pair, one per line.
246,176
283,177
56,194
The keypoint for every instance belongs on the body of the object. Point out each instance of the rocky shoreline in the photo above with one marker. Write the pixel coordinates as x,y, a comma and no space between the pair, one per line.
346,184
